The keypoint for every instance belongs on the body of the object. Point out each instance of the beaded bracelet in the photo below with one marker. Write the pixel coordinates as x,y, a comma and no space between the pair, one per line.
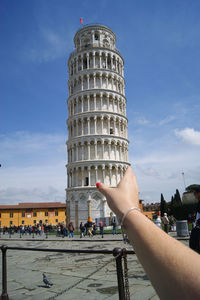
127,212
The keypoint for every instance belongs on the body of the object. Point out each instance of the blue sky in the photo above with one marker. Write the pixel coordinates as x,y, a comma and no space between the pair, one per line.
160,43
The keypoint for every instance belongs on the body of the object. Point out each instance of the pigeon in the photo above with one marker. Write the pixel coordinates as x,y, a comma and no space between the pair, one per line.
47,281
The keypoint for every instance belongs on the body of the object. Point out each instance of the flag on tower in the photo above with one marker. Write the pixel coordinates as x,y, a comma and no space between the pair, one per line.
81,20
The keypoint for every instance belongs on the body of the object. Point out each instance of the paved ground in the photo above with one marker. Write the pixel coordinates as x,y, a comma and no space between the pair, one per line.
74,276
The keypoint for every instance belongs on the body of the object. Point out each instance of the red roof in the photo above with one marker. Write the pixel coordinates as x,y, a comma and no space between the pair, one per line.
34,205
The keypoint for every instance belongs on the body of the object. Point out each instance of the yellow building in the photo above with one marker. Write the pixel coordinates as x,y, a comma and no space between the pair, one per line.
50,213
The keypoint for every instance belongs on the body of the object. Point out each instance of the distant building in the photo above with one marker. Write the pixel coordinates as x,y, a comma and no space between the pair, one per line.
50,213
189,198
151,210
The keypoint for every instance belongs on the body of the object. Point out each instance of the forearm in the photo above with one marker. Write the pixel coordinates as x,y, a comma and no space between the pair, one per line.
172,267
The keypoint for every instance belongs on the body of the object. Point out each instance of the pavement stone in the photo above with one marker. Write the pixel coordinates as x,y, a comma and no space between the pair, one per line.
74,276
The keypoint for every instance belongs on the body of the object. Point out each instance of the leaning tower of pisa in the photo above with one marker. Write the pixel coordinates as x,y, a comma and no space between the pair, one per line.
97,142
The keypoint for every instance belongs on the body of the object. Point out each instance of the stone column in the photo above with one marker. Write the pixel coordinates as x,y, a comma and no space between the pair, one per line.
101,124
95,104
103,149
110,174
107,102
93,59
82,99
95,124
82,83
95,149
106,61
88,81
82,151
81,62
88,121
88,144
103,172
100,61
82,176
104,208
87,60
115,150
82,120
96,174
68,212
94,75
109,149
89,208
89,177
100,80
77,65
108,125
76,216
101,100
88,100
106,81
76,127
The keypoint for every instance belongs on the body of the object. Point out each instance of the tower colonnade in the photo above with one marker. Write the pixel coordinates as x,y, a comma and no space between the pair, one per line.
96,59
100,149
97,144
97,124
91,101
95,80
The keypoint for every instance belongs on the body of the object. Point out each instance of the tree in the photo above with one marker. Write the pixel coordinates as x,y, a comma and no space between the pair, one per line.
163,206
172,204
177,198
190,187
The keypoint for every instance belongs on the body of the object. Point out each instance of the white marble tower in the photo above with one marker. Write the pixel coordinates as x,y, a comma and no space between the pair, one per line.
97,143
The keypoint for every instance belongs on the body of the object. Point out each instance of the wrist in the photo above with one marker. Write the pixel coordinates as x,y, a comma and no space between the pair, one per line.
127,212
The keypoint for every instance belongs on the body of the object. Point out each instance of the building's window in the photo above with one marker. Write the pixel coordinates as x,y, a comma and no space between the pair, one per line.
46,221
22,221
35,214
56,220
23,214
34,221
86,181
111,131
56,213
11,222
46,214
96,37
11,215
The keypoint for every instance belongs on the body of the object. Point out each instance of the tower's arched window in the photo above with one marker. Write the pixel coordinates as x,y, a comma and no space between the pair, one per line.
96,36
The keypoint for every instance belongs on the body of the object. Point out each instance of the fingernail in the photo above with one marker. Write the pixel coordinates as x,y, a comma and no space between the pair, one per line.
97,184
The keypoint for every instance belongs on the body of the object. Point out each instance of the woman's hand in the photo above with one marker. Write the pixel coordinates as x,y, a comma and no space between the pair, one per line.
124,196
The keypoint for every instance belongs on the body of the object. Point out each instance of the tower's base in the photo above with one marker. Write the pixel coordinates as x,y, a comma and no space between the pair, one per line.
83,203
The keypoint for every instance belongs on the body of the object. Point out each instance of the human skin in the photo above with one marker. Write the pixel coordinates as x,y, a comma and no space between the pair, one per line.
173,268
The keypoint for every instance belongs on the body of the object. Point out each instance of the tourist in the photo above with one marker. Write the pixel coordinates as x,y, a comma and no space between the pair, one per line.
196,190
173,268
71,229
172,223
114,225
101,228
194,242
90,227
165,221
158,222
82,229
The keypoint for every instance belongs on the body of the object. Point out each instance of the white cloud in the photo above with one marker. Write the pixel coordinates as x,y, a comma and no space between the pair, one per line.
50,46
142,121
167,120
189,135
33,167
